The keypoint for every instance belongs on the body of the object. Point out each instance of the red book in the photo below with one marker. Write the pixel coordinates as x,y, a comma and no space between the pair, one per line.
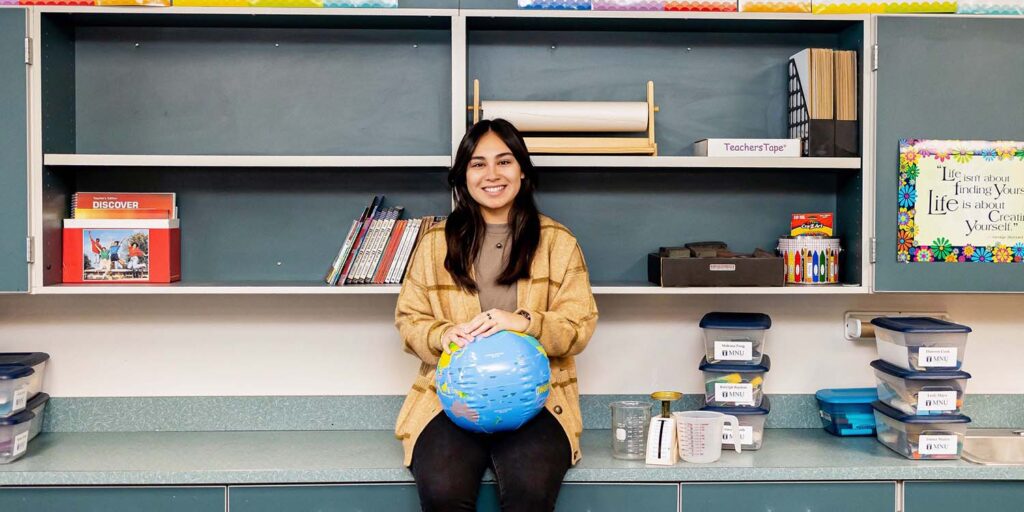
389,252
90,204
121,251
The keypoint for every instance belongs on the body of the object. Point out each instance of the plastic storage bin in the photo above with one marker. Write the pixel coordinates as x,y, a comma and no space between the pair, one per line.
847,411
751,424
731,384
920,343
14,382
921,393
734,337
920,437
14,436
37,405
37,360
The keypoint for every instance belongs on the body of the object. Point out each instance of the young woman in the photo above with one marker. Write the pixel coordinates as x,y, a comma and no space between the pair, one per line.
495,264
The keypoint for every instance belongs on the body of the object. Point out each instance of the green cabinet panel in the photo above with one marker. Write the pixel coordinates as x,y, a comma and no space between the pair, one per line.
942,78
113,499
790,497
962,496
13,152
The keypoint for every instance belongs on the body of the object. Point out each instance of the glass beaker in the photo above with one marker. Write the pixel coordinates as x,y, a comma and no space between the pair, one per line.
630,420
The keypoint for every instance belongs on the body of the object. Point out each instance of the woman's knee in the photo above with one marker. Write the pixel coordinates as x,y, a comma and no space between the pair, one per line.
447,494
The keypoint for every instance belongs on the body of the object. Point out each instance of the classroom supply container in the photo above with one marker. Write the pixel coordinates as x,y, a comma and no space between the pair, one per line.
731,384
14,436
847,411
37,360
921,393
920,437
37,405
810,259
921,343
14,383
630,420
751,424
734,337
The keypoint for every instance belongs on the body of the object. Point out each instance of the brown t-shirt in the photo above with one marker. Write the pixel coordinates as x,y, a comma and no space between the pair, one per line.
490,262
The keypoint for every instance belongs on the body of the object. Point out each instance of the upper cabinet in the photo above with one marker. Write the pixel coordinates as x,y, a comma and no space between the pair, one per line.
13,151
944,78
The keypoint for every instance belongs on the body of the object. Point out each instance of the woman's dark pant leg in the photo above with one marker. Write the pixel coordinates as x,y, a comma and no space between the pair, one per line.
448,464
530,464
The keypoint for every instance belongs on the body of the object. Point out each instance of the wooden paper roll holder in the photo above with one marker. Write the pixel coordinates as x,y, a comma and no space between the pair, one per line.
588,145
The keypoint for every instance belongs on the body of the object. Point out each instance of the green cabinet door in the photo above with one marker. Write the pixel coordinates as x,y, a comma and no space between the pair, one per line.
13,151
962,496
113,499
790,497
943,78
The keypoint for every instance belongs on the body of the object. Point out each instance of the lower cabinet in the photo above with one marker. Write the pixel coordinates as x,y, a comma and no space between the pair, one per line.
402,497
112,499
962,496
791,497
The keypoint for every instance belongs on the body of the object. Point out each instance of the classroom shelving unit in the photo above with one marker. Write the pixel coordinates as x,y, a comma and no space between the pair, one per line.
276,126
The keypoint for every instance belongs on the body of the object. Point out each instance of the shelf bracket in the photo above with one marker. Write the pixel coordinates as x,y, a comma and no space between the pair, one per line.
874,249
28,51
874,57
30,255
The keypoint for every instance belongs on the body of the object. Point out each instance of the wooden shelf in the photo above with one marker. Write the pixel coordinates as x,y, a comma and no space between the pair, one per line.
696,162
245,161
650,289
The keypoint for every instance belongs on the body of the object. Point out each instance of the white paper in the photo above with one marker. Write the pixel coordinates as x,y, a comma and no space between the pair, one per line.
734,350
20,398
937,445
936,401
570,116
620,434
738,393
936,357
20,443
746,434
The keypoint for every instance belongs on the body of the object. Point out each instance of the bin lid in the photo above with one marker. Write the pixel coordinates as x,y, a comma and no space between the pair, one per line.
37,400
25,358
17,419
915,419
766,407
14,371
730,367
847,395
903,373
721,320
918,324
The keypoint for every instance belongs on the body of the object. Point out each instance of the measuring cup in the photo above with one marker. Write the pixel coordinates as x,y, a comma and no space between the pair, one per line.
630,420
700,434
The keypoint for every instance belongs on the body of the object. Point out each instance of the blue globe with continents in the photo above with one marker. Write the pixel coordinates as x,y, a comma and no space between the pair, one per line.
494,384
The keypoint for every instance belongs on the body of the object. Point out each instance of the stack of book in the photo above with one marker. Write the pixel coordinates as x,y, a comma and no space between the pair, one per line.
122,237
823,102
378,246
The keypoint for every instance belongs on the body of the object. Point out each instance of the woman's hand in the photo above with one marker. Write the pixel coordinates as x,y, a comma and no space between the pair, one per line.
494,320
459,335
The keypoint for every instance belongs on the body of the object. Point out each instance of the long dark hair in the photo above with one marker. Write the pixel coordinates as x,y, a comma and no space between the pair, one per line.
464,230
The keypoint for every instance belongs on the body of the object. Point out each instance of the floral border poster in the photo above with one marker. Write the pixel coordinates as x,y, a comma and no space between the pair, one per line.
960,201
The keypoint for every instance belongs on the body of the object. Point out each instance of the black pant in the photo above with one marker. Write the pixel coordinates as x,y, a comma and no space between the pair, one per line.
529,463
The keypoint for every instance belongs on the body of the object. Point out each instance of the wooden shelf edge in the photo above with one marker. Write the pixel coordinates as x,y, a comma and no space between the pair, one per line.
178,289
87,160
698,162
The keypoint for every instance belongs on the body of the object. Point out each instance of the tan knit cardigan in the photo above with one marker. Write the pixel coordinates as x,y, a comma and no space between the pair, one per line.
557,296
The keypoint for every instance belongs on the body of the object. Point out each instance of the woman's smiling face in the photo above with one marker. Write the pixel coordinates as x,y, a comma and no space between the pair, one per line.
493,178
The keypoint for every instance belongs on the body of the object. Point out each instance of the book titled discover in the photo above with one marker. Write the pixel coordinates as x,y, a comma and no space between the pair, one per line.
747,147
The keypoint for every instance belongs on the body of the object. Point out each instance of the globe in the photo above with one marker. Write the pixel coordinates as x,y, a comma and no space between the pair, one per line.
494,384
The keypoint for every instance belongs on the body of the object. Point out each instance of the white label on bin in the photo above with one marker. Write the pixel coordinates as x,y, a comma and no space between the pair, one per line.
746,434
20,443
937,445
620,434
20,397
739,393
722,267
936,357
936,401
734,350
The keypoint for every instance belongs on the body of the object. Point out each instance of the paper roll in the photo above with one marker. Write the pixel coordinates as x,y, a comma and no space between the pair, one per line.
570,116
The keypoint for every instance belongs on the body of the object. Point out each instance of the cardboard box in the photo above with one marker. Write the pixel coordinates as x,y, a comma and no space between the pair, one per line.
740,271
121,251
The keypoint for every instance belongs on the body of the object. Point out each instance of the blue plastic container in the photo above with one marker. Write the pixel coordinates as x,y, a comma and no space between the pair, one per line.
847,411
920,437
751,423
921,344
37,405
14,383
736,338
732,384
14,436
35,360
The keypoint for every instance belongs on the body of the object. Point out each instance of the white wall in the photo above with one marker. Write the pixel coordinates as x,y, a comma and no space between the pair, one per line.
331,345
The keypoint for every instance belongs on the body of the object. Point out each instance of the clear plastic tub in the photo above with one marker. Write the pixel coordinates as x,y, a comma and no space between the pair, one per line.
751,424
920,437
731,384
37,360
920,393
14,383
14,436
847,411
921,343
734,337
37,405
